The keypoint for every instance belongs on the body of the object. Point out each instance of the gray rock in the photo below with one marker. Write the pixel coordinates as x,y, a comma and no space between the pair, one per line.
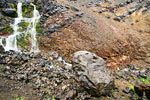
121,4
100,11
129,1
92,73
74,9
117,19
131,10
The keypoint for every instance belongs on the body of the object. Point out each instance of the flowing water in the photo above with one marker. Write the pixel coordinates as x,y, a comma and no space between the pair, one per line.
10,42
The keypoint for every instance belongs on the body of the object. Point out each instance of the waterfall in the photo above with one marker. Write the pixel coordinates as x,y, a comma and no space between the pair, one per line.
11,40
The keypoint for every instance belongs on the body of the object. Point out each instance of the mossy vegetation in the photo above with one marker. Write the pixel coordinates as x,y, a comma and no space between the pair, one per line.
53,98
132,88
27,10
23,26
38,29
3,41
8,29
20,98
20,29
23,42
12,5
145,80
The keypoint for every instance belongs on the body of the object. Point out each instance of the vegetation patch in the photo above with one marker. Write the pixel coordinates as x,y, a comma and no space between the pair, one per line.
20,98
23,42
38,29
145,80
23,26
27,10
7,30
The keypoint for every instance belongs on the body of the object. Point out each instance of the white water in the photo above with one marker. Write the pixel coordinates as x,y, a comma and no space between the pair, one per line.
11,40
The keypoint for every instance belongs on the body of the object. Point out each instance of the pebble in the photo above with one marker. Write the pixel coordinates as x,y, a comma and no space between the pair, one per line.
117,19
121,4
125,91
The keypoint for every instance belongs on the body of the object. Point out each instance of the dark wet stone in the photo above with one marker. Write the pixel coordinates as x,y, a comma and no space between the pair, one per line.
132,67
100,11
147,93
10,12
1,49
107,17
132,10
123,15
137,20
139,90
74,9
2,28
121,4
129,1
3,4
125,91
117,19
143,76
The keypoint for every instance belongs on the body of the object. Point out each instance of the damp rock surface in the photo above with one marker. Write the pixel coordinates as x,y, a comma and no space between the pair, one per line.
10,12
1,49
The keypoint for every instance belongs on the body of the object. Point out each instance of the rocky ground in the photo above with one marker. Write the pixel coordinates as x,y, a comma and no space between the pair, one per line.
48,76
117,31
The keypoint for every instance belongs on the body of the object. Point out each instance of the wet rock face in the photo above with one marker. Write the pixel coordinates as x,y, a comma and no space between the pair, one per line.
92,73
7,13
10,12
1,49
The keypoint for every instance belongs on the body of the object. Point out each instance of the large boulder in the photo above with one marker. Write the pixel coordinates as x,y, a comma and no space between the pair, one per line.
92,73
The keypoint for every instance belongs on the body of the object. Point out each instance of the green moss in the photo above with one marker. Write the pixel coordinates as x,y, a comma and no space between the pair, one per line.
3,41
12,5
145,80
27,11
38,29
10,18
23,42
53,98
20,29
20,98
24,24
8,29
132,88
